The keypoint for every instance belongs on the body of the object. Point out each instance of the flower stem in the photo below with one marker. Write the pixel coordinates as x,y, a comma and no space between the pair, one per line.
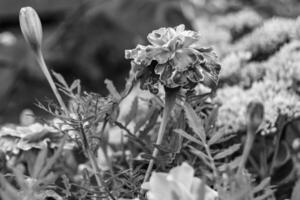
170,98
248,145
96,171
211,160
50,80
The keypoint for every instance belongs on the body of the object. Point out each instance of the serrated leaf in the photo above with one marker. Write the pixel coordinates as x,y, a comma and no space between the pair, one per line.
112,89
232,164
225,138
201,155
227,152
211,120
215,138
195,122
187,136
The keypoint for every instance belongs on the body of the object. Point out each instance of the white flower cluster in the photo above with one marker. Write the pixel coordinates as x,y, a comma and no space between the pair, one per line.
234,100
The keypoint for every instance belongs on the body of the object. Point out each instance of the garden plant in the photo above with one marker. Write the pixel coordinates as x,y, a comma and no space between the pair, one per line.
193,122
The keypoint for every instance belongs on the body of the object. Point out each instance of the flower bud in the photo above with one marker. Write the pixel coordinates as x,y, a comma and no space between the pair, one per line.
31,27
254,115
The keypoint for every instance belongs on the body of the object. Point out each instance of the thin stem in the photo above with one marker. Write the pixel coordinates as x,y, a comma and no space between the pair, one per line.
96,171
276,151
170,98
104,149
47,74
212,163
54,158
248,145
95,168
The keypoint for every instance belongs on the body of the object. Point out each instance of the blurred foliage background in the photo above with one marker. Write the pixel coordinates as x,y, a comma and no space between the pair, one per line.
86,39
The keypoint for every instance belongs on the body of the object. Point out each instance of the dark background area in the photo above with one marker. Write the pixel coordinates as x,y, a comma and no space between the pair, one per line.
86,40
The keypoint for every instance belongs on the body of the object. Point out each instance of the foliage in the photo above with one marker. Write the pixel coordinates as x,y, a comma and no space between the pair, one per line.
235,142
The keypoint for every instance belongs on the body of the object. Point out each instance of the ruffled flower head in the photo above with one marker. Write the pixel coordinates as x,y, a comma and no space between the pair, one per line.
174,58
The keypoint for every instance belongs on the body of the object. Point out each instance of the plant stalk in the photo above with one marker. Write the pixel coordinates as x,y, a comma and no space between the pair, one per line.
211,160
96,171
170,99
247,149
50,80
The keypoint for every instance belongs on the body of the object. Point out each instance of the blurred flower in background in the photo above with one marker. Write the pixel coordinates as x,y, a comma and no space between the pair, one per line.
179,183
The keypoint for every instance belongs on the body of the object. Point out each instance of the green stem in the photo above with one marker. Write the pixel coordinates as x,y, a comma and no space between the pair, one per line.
170,98
248,145
96,171
104,147
47,74
212,162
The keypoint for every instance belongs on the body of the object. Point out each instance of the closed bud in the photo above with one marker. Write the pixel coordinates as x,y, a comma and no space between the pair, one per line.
31,27
254,115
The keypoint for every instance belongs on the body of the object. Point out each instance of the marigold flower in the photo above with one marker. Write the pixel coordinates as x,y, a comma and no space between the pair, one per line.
174,58
31,27
179,183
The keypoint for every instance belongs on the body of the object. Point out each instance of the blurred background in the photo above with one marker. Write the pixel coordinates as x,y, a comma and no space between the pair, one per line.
86,39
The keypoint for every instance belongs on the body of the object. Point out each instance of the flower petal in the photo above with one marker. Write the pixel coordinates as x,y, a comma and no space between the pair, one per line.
183,174
210,69
210,194
160,54
195,75
183,59
159,68
157,37
139,55
160,187
175,43
180,28
180,79
167,73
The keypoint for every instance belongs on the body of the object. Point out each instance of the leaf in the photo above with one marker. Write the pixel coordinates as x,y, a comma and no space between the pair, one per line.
174,143
112,89
51,161
225,138
201,155
232,165
187,136
195,122
60,79
39,162
133,111
75,84
150,125
227,152
141,122
211,120
263,184
215,138
266,195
